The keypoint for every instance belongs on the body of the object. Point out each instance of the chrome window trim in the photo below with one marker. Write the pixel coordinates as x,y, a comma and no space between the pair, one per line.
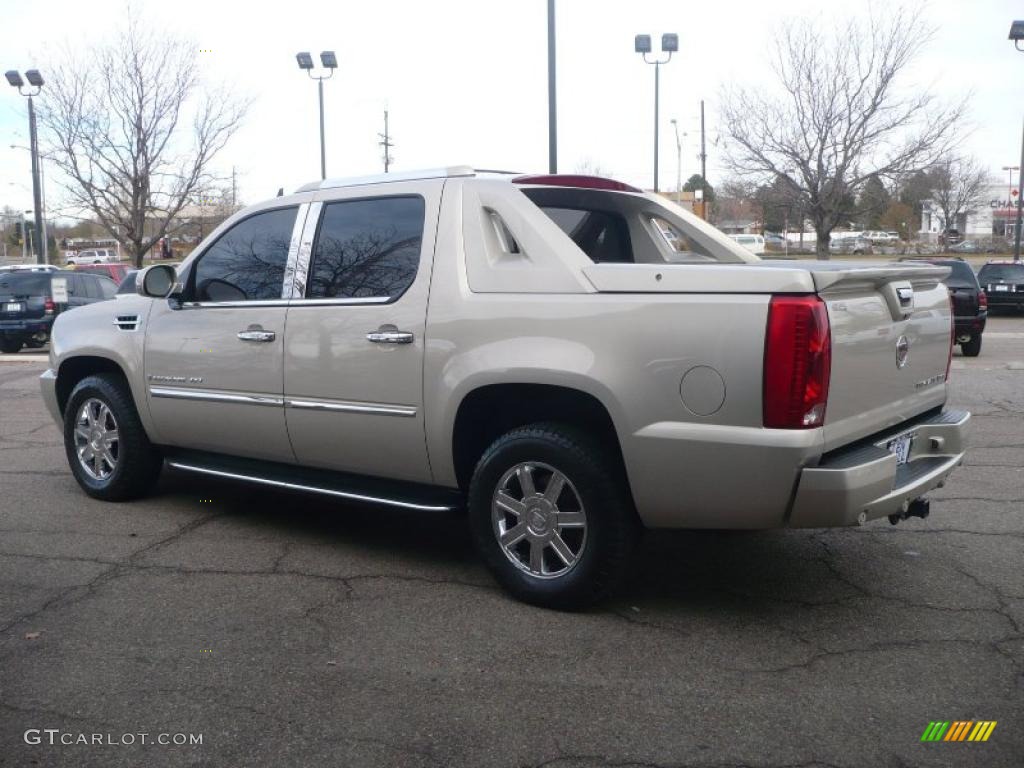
227,304
340,407
303,255
294,246
215,397
333,302
311,488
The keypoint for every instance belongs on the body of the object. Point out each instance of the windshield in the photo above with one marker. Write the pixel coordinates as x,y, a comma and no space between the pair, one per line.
991,272
22,284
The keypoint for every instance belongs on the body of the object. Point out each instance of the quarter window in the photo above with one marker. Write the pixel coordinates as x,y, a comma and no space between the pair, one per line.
367,248
247,262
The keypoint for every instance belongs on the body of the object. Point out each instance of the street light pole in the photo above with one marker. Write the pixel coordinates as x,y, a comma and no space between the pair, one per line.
552,102
329,62
679,162
669,45
1017,36
35,80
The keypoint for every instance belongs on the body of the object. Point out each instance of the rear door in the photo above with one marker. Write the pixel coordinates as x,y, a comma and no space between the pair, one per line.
353,359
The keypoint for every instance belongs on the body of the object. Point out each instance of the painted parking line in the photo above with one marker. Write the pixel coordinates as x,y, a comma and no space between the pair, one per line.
1004,334
24,358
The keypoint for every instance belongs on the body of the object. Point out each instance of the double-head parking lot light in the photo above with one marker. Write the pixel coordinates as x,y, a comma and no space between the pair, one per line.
669,45
329,62
35,81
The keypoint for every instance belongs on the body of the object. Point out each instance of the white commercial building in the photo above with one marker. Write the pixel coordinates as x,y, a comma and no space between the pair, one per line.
994,216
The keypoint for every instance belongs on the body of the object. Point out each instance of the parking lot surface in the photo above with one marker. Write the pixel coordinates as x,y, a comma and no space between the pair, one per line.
287,630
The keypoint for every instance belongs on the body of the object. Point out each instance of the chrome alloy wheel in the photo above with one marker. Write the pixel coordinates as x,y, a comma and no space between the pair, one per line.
538,518
97,443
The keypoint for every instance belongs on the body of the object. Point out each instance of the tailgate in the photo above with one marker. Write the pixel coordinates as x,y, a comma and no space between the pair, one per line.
890,345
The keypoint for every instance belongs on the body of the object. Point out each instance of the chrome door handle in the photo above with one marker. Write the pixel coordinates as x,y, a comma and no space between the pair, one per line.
388,334
254,334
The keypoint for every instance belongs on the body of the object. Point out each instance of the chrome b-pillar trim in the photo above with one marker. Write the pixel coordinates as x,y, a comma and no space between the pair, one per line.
294,246
296,289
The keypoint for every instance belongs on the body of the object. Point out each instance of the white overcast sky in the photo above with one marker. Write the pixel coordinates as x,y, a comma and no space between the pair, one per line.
465,80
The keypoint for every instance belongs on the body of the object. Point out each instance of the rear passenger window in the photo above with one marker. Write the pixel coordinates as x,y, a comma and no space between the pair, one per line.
367,248
91,287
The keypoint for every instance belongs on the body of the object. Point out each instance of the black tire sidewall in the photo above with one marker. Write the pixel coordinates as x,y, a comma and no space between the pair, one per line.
598,483
136,458
972,348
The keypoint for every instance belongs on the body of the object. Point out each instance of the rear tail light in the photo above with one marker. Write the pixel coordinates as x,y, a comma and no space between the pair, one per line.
982,300
48,306
797,363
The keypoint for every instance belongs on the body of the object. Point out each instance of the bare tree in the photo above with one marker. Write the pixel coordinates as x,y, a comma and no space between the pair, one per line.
839,118
589,167
132,133
958,185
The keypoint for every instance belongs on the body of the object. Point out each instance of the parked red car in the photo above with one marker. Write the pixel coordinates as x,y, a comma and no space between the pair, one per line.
115,272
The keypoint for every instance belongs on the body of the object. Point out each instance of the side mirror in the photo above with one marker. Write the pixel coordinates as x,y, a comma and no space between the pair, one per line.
156,282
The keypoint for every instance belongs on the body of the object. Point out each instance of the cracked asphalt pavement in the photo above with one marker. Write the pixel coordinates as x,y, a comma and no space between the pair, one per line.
292,631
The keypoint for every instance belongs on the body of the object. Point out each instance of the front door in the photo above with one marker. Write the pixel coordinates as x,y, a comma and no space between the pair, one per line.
214,361
353,359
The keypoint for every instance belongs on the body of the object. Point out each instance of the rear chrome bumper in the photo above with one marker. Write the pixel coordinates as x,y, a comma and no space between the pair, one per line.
863,482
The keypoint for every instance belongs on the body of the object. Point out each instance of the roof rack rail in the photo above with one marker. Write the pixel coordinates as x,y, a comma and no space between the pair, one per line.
384,178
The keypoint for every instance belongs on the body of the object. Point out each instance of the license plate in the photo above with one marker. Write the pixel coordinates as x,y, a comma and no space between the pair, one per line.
1002,287
900,447
12,307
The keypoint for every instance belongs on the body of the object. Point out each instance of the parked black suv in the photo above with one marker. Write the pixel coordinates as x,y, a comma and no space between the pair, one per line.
27,306
1004,282
970,304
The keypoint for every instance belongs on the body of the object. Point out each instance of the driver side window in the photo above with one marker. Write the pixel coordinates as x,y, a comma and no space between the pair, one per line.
247,262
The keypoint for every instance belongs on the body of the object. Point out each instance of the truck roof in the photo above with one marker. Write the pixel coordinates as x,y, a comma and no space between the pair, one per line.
565,180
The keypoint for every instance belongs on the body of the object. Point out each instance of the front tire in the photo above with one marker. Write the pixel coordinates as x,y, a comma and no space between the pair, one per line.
972,348
552,517
107,448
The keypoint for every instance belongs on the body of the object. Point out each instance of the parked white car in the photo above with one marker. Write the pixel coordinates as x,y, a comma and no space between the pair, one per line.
94,256
753,243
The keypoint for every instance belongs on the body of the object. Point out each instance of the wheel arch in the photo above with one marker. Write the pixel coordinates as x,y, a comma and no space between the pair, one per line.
490,410
73,369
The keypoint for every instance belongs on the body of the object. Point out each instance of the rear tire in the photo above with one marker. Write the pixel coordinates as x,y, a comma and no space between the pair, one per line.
556,489
107,448
972,348
9,345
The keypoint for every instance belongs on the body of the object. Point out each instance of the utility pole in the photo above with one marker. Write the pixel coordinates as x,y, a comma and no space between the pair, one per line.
386,143
703,167
234,188
552,115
